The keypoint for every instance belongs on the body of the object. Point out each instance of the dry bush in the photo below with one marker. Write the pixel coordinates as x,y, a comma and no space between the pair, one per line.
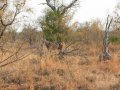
77,70
73,72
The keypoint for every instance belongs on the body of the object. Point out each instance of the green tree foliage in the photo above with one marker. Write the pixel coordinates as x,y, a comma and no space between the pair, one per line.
54,27
55,22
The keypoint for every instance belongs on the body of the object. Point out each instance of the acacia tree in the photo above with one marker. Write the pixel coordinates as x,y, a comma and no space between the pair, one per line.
54,24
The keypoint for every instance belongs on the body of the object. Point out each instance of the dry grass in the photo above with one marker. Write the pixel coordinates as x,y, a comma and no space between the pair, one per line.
48,72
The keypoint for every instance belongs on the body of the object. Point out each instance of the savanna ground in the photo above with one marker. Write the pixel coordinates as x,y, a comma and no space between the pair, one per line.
62,56
79,70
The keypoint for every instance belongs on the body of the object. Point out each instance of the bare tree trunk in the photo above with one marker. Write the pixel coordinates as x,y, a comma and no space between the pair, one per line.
105,52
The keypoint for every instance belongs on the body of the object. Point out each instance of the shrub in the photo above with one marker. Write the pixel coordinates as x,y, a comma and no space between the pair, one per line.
115,39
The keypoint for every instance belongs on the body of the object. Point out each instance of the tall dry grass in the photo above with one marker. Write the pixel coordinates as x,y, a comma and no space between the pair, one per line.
80,71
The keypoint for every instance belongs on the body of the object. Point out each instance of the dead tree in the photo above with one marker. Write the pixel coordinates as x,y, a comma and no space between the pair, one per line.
105,52
6,20
10,21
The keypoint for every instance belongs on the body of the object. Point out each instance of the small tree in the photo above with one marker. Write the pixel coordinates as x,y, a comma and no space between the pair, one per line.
54,24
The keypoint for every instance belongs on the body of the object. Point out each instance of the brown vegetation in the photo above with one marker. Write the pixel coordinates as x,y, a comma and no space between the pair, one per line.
61,57
78,70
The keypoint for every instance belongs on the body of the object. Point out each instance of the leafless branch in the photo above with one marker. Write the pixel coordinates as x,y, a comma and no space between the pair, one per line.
65,8
50,5
11,55
14,61
69,6
5,25
3,7
42,3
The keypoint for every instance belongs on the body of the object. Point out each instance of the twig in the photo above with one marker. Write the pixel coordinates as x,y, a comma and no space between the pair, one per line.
11,55
14,61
